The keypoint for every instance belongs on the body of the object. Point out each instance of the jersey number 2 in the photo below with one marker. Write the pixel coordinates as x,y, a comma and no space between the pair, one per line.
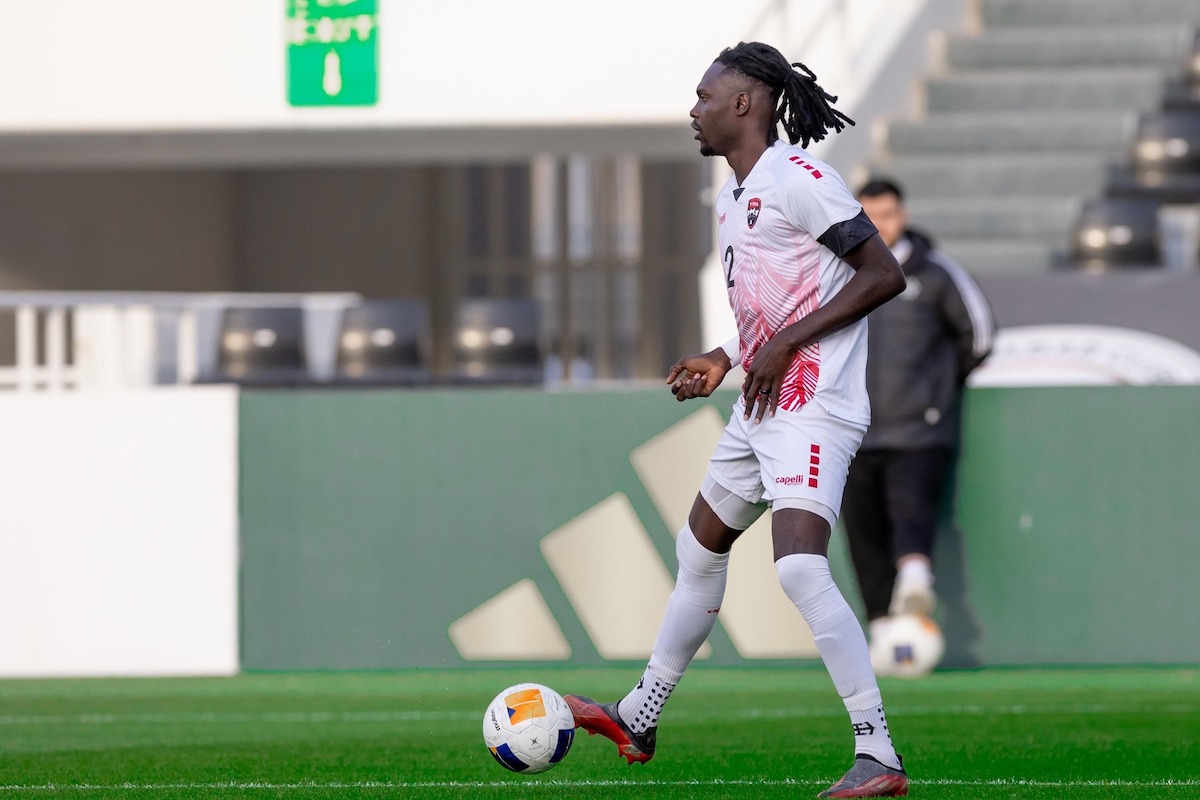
728,267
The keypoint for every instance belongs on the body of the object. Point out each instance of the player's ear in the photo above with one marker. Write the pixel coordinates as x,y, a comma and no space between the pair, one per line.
741,103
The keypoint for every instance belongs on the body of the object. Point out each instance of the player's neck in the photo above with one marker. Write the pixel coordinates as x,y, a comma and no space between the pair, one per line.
743,158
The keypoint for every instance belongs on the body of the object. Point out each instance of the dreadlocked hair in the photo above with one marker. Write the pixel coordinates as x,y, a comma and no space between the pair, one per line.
801,105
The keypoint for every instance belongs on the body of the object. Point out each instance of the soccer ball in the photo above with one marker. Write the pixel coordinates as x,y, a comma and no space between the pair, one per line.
528,728
906,646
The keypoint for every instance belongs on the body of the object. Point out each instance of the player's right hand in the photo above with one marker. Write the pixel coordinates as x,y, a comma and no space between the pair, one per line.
698,375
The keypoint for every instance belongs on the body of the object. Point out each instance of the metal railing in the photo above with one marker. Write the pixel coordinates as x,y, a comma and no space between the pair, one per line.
114,340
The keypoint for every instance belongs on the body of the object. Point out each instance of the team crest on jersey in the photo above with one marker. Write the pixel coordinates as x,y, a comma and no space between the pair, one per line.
752,209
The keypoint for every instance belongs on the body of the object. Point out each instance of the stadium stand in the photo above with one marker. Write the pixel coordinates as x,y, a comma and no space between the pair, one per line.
76,340
1183,90
1165,160
385,342
1117,232
496,340
262,347
1158,185
1025,118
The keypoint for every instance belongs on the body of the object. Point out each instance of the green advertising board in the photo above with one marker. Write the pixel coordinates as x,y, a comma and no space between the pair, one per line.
333,52
394,529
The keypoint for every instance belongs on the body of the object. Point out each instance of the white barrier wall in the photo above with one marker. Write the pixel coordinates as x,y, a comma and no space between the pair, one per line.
118,533
160,64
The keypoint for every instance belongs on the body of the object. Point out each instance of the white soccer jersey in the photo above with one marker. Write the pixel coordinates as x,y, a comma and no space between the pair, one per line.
777,273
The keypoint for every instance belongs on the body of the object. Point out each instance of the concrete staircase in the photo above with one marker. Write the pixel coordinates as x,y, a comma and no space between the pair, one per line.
1024,117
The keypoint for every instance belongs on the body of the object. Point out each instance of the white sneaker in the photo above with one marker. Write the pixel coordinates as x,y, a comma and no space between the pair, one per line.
913,593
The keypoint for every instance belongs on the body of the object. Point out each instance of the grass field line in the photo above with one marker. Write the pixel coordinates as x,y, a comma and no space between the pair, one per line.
579,784
314,717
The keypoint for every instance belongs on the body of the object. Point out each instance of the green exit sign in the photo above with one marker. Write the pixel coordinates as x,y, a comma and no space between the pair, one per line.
333,52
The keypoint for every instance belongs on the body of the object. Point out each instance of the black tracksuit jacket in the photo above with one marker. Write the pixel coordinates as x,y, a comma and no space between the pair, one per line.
921,347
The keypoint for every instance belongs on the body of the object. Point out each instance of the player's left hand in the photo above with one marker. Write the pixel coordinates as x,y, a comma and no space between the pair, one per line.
764,380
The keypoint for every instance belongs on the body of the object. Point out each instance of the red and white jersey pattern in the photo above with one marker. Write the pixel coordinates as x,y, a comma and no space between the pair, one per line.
777,272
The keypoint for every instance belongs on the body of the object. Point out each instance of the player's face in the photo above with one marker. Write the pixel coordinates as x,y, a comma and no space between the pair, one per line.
888,214
713,115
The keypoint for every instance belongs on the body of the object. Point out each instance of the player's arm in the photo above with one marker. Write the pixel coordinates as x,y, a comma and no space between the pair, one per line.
967,313
877,278
699,375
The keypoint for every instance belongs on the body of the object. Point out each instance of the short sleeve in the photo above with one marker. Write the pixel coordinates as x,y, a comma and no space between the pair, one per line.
842,237
816,204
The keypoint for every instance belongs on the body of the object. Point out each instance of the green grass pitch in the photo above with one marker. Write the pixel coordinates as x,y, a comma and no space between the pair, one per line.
728,733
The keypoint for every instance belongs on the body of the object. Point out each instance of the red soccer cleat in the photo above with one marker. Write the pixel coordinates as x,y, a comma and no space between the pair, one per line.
603,719
869,778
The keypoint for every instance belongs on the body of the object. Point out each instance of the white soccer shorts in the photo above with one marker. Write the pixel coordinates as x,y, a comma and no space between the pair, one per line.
796,459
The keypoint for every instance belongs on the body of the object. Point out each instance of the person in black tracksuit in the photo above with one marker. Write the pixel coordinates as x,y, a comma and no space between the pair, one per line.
921,347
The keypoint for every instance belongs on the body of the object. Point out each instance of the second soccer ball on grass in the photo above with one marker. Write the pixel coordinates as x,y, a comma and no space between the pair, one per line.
906,646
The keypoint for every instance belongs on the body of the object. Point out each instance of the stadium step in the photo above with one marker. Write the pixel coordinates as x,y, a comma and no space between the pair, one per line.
1045,90
966,176
1161,46
999,13
1026,116
1106,132
1000,255
1042,219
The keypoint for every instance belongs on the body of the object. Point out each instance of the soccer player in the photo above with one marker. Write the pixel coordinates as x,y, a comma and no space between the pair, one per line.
803,265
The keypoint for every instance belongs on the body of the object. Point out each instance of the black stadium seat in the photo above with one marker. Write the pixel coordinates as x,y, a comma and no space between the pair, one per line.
1183,91
1165,159
1168,142
385,342
262,346
1117,232
496,340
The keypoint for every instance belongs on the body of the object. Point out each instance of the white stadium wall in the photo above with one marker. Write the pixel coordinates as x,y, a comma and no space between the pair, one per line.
118,533
155,65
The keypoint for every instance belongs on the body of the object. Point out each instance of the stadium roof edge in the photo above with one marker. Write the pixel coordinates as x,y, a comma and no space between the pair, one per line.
286,147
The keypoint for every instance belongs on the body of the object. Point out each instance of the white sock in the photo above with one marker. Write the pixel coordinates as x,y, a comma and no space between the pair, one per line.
871,735
641,708
689,619
915,572
806,580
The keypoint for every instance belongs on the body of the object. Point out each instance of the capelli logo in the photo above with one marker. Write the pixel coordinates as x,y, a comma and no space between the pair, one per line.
792,480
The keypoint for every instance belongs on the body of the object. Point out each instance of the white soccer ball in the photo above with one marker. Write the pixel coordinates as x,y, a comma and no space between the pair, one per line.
906,646
528,728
